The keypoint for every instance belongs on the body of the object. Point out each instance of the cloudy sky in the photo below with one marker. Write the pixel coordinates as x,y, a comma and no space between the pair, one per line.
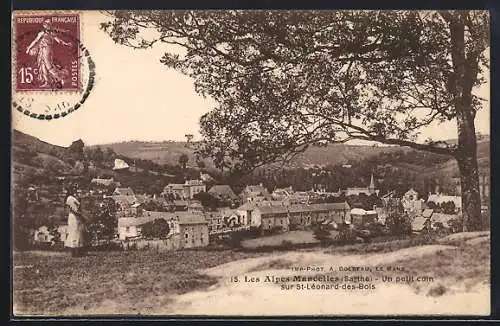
135,97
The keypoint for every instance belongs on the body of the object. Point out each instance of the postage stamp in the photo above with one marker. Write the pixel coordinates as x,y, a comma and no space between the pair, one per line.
47,56
52,71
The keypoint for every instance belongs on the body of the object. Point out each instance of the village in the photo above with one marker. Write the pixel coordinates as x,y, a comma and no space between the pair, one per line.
190,222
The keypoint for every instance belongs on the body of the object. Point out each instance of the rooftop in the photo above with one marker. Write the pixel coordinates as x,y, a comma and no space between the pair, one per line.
175,186
427,212
194,183
148,216
125,199
298,208
256,189
185,217
105,182
222,190
135,221
124,191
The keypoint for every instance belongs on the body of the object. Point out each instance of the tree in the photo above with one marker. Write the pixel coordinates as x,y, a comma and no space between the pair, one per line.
102,221
183,160
96,154
321,233
448,207
208,200
155,229
290,79
432,205
109,156
76,150
397,221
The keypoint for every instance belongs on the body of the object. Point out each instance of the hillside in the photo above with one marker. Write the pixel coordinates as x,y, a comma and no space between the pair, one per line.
168,152
333,154
22,140
38,162
33,156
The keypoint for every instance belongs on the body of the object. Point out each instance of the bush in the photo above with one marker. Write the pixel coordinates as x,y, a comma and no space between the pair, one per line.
321,234
111,246
376,229
236,238
441,229
347,235
448,207
437,291
398,224
273,230
156,229
456,224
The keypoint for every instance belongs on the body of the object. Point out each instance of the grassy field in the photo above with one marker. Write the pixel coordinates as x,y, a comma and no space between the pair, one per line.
467,263
51,282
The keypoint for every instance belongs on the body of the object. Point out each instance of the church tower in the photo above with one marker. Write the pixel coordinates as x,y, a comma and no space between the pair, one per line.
371,187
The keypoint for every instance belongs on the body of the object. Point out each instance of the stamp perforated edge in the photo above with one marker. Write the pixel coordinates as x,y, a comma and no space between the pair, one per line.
84,53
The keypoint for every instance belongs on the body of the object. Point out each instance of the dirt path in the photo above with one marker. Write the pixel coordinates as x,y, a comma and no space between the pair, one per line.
263,298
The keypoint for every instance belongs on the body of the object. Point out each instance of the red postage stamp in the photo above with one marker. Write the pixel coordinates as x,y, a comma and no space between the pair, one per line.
47,52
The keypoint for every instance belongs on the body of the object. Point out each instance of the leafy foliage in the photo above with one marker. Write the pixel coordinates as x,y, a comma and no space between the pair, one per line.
397,221
321,233
272,73
102,220
75,150
155,229
346,235
208,200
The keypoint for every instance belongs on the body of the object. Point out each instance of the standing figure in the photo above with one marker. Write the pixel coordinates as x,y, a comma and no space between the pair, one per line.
76,224
49,73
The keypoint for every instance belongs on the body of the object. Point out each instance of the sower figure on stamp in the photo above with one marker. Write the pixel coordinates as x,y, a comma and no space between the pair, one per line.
42,47
76,224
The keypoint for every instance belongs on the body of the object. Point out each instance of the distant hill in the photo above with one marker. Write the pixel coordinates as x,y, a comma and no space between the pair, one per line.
333,154
31,155
27,142
36,161
27,147
168,152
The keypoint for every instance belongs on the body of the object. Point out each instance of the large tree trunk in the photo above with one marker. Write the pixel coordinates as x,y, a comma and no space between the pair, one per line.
469,178
466,157
465,72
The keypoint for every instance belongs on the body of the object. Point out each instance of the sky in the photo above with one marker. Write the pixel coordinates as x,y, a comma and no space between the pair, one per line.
135,97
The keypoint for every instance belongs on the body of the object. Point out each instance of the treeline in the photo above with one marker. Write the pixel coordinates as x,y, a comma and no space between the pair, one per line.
393,170
420,158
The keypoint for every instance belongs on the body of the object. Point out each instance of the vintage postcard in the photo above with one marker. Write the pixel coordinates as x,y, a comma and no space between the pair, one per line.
251,163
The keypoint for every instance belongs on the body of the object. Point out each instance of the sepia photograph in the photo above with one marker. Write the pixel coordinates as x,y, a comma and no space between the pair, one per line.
250,163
